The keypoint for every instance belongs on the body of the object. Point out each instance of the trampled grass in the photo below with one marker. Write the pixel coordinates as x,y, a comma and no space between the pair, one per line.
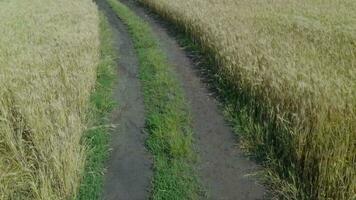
289,68
49,53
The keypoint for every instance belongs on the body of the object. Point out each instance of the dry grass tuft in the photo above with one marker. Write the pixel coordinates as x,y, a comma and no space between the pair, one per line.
49,52
293,65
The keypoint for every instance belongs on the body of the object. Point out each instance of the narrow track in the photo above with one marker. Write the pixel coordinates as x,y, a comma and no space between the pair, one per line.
222,166
129,173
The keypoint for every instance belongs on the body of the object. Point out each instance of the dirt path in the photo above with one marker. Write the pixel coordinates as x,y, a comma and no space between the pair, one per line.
222,167
129,173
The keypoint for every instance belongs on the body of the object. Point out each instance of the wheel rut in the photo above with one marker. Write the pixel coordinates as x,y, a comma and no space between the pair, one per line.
222,167
129,168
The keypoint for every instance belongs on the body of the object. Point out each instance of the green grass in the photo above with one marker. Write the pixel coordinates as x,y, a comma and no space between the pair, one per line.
101,104
168,121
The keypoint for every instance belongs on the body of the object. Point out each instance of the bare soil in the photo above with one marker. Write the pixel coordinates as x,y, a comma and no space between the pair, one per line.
129,168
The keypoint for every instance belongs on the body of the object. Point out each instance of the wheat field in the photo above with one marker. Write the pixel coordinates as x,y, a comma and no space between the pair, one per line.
293,65
49,51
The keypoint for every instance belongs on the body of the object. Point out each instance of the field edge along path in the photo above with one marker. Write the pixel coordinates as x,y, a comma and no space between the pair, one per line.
102,104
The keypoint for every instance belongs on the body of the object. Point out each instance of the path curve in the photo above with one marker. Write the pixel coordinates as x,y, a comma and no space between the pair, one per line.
223,168
128,175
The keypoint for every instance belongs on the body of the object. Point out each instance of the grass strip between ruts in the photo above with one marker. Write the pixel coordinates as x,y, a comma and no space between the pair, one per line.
168,121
